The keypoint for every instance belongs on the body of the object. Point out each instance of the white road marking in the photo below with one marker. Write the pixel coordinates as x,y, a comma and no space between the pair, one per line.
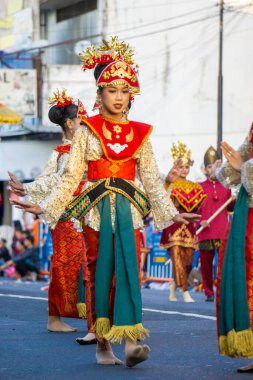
27,297
144,309
179,313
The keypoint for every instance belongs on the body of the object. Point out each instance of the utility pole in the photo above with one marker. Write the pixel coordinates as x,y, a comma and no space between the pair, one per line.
220,80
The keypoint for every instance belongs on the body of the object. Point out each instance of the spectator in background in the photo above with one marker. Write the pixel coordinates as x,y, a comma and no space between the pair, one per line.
26,263
17,241
4,254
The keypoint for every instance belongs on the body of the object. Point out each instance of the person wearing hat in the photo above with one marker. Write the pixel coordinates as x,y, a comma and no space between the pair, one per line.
210,238
180,240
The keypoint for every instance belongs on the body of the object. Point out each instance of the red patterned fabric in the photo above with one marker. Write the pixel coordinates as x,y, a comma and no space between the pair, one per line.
179,235
120,141
68,257
92,243
188,194
104,168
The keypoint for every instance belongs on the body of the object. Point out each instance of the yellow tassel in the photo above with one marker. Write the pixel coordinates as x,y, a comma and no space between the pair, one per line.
81,308
102,327
237,344
135,332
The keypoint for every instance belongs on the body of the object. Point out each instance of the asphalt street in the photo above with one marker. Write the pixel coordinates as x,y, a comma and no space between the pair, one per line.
182,340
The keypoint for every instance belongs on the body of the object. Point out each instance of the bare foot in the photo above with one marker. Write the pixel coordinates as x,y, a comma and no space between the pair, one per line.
55,324
105,355
136,355
89,338
187,297
173,289
247,369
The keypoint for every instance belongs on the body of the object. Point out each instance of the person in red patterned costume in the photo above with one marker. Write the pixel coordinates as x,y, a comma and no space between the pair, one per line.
66,271
114,154
181,241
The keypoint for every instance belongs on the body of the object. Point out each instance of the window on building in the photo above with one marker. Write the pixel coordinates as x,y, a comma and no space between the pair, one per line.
76,9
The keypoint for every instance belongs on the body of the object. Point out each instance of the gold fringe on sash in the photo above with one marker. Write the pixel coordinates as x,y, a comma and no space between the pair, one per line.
102,327
135,332
237,344
81,308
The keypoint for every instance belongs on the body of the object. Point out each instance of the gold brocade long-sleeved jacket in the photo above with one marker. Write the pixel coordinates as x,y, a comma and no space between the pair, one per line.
87,147
230,177
49,178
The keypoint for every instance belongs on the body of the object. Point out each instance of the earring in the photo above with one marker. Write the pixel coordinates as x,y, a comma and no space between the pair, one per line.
125,114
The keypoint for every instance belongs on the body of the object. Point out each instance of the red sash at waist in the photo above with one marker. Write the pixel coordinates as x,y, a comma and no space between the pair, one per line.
104,168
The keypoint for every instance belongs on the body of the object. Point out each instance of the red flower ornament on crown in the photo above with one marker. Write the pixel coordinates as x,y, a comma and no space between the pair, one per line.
120,69
60,99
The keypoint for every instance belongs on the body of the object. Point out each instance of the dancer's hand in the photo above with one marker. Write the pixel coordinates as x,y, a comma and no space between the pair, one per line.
186,218
204,224
232,156
16,186
174,172
33,208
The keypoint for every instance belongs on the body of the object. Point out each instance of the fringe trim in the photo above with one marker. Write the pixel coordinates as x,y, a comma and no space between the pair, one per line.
102,326
237,344
135,332
81,308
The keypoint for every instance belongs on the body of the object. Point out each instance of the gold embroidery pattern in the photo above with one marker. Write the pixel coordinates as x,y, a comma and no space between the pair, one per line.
130,136
117,128
181,237
106,132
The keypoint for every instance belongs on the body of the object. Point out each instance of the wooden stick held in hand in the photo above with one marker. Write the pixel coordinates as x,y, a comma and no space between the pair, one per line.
217,212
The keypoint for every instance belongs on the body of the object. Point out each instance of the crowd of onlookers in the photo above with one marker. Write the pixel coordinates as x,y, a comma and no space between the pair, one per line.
21,260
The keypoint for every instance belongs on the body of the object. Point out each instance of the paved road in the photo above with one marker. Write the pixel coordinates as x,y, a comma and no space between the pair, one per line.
183,341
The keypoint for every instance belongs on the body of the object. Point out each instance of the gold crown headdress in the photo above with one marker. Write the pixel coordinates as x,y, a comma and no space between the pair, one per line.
109,51
180,150
60,98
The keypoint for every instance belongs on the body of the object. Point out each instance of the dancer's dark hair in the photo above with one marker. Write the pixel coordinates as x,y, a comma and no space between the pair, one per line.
59,115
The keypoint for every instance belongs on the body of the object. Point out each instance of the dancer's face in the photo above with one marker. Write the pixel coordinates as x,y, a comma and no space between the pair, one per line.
71,126
208,170
184,171
115,99
74,124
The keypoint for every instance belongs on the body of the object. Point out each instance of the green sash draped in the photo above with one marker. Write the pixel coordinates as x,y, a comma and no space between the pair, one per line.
236,337
117,253
81,306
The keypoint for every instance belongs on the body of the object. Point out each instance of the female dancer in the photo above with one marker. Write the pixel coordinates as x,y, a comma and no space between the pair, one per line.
65,289
235,274
181,240
115,152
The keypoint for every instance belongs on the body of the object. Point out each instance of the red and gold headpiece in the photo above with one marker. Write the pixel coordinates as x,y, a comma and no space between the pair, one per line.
120,69
60,98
